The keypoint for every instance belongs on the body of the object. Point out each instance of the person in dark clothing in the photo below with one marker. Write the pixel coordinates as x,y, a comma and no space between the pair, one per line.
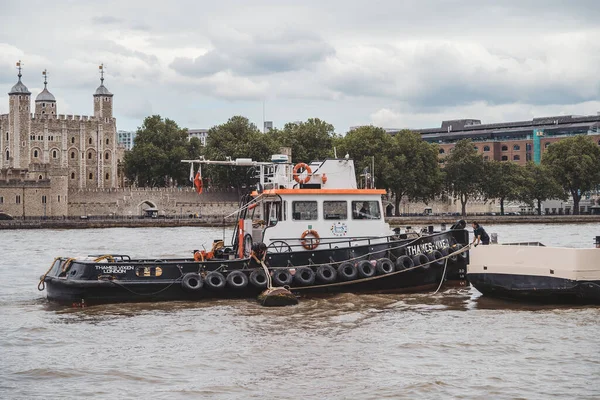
479,235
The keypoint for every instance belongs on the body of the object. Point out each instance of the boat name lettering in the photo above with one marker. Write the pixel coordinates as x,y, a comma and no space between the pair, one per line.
114,269
426,247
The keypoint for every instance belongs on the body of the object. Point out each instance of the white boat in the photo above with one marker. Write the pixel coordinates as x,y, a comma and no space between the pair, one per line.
534,272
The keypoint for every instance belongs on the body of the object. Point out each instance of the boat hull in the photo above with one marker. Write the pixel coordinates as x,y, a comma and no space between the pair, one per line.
88,282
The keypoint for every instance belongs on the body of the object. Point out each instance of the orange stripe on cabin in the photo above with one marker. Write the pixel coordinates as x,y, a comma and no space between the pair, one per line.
321,191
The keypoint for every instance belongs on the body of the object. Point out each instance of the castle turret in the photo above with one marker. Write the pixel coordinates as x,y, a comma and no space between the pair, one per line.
19,123
103,99
45,103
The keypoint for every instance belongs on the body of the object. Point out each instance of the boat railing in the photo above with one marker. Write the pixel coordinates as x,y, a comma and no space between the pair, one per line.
535,244
336,242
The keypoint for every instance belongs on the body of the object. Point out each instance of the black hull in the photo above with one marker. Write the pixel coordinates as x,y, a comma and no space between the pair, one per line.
536,289
88,282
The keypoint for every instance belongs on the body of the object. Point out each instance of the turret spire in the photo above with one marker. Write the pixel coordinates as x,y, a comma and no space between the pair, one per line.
101,67
19,68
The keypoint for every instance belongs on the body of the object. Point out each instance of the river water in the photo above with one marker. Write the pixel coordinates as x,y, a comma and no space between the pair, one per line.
454,344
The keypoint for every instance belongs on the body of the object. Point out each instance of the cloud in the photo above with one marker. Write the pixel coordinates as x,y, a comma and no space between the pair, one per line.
106,20
260,54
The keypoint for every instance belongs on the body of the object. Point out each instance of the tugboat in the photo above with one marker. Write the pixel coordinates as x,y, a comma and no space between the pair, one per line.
532,272
307,228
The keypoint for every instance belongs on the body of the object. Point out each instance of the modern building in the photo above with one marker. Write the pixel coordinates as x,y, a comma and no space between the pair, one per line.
201,134
267,126
126,139
518,141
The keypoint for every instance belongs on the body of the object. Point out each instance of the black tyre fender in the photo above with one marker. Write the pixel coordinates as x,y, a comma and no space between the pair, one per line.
437,257
304,276
421,259
404,262
214,280
192,282
347,272
282,277
237,280
462,255
384,266
258,278
326,273
366,269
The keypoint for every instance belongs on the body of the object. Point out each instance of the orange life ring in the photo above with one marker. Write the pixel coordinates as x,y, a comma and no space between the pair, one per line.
198,183
297,175
313,243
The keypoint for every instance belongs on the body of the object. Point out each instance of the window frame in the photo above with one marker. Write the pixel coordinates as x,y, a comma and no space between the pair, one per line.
294,212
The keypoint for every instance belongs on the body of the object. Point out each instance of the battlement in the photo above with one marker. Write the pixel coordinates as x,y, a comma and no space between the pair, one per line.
71,117
4,117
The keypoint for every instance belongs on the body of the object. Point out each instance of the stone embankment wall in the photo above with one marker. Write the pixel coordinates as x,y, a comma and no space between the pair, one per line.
170,202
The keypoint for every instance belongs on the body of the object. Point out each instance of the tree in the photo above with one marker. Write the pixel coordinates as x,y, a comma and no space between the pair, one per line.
540,185
237,138
575,164
503,181
368,145
417,174
310,140
464,171
155,159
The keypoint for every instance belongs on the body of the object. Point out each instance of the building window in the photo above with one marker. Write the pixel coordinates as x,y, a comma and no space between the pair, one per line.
73,139
35,154
90,155
53,107
486,148
6,135
504,158
335,210
107,141
7,155
546,145
1,200
72,175
18,199
90,140
528,157
516,157
106,156
43,199
54,154
442,150
486,158
40,177
304,210
106,176
476,148
516,147
504,148
528,147
72,154
43,105
91,176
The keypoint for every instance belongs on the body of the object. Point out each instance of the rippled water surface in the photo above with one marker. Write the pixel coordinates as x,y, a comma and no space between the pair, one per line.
454,344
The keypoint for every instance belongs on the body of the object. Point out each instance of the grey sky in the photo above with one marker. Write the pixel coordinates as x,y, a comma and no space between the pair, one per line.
390,63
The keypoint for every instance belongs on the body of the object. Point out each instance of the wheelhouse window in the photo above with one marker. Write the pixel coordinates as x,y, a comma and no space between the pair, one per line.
305,211
335,210
366,210
274,211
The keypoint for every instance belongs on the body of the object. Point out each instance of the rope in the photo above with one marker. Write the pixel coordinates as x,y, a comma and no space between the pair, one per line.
264,267
108,257
42,284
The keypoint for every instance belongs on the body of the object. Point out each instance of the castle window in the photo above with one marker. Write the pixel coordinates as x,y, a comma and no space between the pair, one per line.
516,157
106,176
7,154
40,177
90,140
59,198
31,137
54,154
18,199
73,139
486,148
72,154
107,141
91,176
505,148
53,107
106,156
1,200
43,112
72,175
504,158
516,147
43,105
6,135
90,155
35,153
43,199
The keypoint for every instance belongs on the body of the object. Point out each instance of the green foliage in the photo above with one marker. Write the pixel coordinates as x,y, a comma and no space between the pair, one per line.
464,172
575,164
237,138
310,140
540,185
364,143
502,180
155,159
